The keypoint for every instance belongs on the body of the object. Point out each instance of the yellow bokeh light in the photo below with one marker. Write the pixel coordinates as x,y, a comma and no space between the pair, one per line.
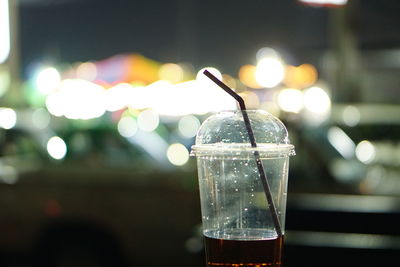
247,75
171,72
177,154
290,100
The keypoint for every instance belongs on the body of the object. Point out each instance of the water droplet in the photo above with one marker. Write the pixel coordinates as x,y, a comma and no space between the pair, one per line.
237,190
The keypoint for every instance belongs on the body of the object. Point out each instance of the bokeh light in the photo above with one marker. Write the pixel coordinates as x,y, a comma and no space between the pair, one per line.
177,154
41,118
4,31
270,71
265,52
316,100
77,99
56,148
188,126
47,80
117,97
247,75
8,118
341,142
5,80
365,152
127,126
171,72
300,77
86,71
148,120
290,100
351,115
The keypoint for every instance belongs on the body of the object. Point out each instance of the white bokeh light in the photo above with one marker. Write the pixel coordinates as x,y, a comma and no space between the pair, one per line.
77,99
148,120
188,126
4,31
270,72
47,80
8,118
127,126
177,154
365,152
316,100
56,148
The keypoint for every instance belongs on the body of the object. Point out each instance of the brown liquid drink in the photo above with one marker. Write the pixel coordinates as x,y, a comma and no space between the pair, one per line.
255,253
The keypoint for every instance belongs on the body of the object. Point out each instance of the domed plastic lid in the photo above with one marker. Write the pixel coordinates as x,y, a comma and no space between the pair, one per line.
225,134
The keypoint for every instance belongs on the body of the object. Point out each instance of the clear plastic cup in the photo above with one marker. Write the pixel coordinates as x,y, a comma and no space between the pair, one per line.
238,227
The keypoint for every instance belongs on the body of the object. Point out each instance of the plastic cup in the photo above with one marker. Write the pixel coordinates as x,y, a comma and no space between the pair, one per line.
238,226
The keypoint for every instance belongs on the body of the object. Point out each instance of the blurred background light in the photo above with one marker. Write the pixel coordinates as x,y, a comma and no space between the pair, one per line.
4,31
47,80
86,71
301,76
56,148
148,120
365,152
290,100
341,142
127,126
325,2
177,154
266,52
188,126
117,97
8,174
270,72
5,79
41,118
247,75
171,72
317,100
77,99
8,118
351,115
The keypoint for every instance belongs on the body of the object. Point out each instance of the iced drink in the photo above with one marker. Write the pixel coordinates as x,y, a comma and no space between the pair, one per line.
238,226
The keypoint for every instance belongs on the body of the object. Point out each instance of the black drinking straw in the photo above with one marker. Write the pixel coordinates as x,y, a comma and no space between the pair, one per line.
260,166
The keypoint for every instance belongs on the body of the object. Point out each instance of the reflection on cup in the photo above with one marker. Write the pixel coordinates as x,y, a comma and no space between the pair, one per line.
238,227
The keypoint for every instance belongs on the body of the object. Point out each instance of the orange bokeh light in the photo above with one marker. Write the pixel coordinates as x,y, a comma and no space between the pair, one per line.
247,75
300,77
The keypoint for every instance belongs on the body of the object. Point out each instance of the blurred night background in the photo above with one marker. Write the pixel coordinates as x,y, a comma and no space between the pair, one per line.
100,102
